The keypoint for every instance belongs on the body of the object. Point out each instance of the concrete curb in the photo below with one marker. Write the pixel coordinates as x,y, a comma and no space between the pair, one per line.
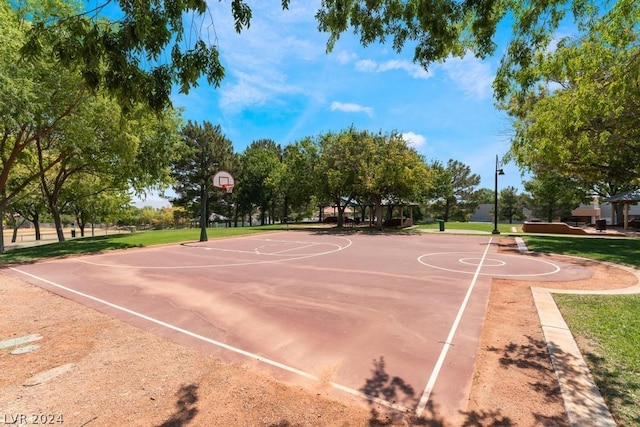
582,399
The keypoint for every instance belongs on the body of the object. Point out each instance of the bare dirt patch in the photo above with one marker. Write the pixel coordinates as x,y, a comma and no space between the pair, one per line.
514,382
122,375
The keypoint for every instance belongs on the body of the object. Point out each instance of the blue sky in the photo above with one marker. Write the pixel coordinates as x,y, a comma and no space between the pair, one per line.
280,84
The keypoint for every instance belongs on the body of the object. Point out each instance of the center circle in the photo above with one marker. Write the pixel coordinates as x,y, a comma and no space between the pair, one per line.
487,262
499,265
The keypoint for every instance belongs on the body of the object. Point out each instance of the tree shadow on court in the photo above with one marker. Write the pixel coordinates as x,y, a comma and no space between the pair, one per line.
393,389
185,407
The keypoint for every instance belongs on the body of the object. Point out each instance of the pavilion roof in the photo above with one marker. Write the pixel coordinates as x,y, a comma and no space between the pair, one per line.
627,196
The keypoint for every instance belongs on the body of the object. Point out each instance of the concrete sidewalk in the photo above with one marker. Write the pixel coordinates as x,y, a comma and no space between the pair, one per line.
582,398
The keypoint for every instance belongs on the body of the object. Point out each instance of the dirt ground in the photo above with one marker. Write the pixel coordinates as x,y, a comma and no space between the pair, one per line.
121,375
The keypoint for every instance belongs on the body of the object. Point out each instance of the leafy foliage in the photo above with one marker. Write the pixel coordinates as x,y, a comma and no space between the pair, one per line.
437,28
575,107
204,151
554,195
456,184
511,205
262,169
140,55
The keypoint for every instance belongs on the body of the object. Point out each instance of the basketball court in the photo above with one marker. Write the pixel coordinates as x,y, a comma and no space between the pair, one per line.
389,319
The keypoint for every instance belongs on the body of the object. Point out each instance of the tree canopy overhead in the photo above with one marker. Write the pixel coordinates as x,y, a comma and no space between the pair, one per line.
437,28
140,54
575,107
144,48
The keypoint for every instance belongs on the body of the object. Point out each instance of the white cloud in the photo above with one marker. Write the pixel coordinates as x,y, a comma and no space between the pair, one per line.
252,90
262,62
351,108
414,70
473,76
414,140
343,57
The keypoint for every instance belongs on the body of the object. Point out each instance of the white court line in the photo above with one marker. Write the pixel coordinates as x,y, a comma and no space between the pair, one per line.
556,268
445,348
291,249
217,343
238,264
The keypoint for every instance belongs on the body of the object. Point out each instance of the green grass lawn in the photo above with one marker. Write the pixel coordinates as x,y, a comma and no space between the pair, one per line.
123,241
622,250
608,333
472,226
607,328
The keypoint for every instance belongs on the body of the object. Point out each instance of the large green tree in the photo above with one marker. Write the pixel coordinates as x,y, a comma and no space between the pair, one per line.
299,175
339,169
137,50
554,195
575,107
205,151
261,180
53,127
121,152
455,190
392,172
511,204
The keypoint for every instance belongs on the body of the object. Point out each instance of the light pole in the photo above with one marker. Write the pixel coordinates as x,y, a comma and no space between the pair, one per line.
495,200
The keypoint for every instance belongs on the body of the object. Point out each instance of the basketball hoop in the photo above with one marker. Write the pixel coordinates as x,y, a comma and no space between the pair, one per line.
224,180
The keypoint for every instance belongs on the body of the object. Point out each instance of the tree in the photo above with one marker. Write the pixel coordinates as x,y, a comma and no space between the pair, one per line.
153,45
455,197
339,168
483,196
392,171
140,55
205,151
354,164
35,98
299,174
575,107
46,120
87,197
554,195
436,29
99,144
510,205
261,176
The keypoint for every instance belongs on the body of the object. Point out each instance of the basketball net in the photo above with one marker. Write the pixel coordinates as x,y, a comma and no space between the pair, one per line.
227,187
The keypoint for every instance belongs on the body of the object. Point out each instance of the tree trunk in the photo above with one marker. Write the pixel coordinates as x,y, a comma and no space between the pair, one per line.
57,220
16,226
36,226
340,213
1,232
378,202
447,207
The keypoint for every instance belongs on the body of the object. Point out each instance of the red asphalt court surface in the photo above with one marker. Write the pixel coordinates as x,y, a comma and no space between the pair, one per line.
394,319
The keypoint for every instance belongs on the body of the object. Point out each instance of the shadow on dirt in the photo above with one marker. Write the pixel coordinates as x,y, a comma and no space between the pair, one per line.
395,390
185,407
534,356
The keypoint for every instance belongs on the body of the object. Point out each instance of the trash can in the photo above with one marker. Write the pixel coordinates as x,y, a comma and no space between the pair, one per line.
73,233
441,224
601,224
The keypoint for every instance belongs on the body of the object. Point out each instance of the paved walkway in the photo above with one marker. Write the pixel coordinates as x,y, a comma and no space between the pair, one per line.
582,398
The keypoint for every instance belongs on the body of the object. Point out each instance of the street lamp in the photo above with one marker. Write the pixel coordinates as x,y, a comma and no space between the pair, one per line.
495,200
